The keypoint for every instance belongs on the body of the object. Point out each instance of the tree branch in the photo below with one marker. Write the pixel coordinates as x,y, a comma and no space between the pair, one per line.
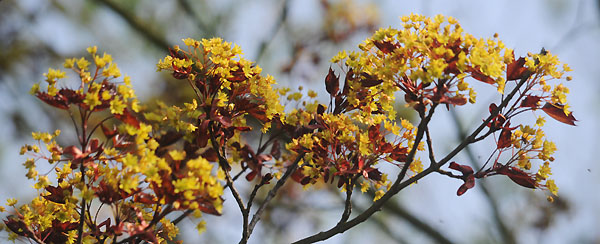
271,194
505,232
398,184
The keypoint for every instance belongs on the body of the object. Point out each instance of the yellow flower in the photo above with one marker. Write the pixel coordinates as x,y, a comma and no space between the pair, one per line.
11,202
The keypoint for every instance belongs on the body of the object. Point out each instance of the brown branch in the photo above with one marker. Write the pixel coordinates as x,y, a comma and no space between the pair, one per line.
348,201
429,147
270,195
182,216
505,232
398,184
236,195
255,191
376,206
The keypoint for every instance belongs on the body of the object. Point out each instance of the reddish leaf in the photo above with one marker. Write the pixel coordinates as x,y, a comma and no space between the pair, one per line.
57,101
169,138
556,112
320,109
144,198
128,118
298,175
468,177
74,151
349,76
478,75
264,157
332,83
224,120
504,139
518,176
210,154
515,70
456,100
238,75
374,133
400,154
370,80
465,169
276,149
57,194
243,128
385,46
109,132
71,96
17,226
258,114
250,176
469,183
531,101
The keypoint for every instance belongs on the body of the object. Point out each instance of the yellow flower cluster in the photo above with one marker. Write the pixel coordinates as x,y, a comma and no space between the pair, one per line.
532,145
218,66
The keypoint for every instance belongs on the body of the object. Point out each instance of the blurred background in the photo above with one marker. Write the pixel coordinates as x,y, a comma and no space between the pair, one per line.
293,40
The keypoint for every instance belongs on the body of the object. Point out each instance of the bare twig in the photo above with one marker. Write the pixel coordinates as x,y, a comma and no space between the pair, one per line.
430,147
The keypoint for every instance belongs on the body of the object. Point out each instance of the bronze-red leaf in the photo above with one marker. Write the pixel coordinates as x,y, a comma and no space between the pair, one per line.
515,70
128,118
385,46
518,176
276,149
556,112
504,139
332,83
531,101
478,75
369,80
57,101
456,100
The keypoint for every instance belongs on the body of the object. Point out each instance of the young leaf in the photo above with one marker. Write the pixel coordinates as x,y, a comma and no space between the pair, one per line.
128,118
531,101
332,83
370,80
385,46
518,176
478,75
504,139
516,69
556,112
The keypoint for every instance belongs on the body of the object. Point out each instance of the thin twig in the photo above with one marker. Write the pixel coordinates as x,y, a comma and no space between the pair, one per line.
224,165
257,215
348,201
429,147
505,232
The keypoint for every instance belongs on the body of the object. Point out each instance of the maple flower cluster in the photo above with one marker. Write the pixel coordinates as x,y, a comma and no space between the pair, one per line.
129,169
429,61
134,164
